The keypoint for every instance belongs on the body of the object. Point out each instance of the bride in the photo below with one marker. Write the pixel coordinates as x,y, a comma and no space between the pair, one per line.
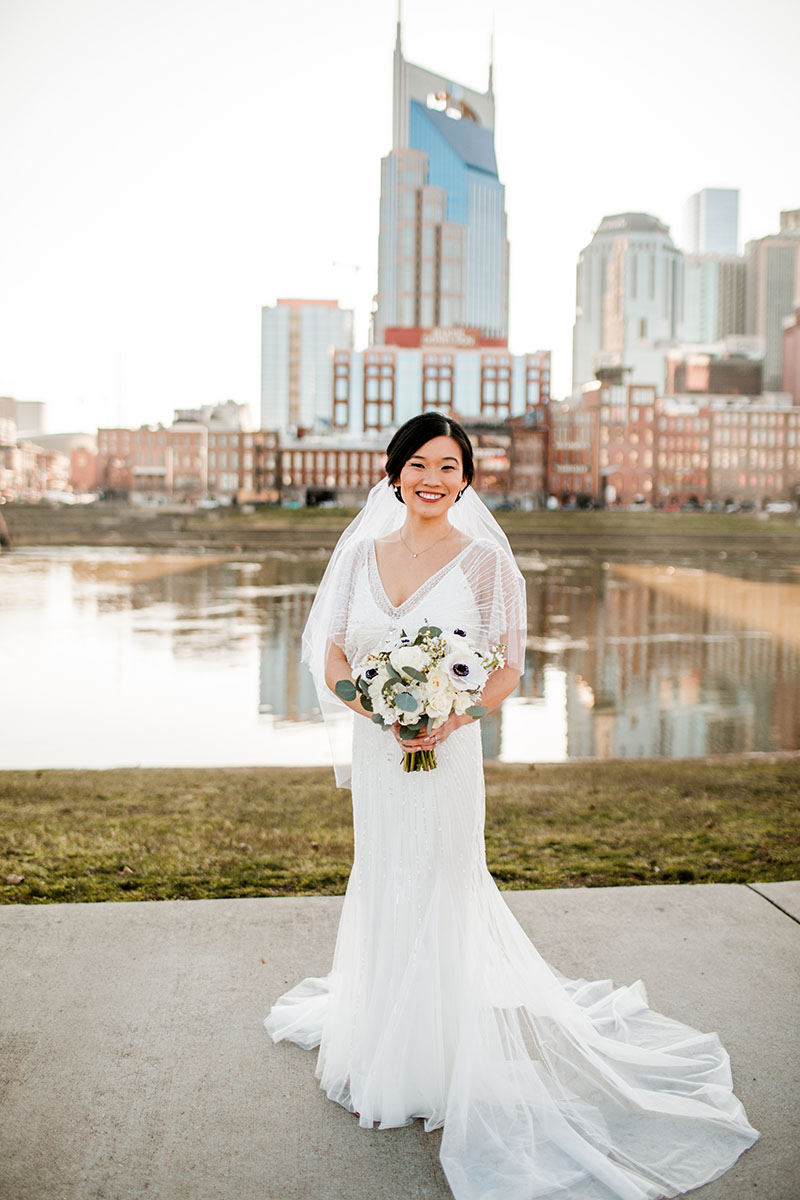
437,1005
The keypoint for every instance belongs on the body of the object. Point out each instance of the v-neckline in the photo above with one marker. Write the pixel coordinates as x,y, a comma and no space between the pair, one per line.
397,608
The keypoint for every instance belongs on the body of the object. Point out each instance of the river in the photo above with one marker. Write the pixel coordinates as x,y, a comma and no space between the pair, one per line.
114,657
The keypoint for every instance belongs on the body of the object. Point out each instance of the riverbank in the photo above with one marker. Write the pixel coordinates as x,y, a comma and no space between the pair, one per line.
225,833
620,534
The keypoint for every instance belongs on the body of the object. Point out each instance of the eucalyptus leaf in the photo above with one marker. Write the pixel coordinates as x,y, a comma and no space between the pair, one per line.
392,673
345,689
366,703
363,685
377,718
406,702
477,710
408,731
413,673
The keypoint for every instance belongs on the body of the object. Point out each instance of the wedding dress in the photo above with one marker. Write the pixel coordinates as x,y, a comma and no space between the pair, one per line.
439,1007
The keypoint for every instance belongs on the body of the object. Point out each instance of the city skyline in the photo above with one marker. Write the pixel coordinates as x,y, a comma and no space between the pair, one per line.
181,152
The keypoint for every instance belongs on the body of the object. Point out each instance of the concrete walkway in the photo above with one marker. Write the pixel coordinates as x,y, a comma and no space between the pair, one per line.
134,1062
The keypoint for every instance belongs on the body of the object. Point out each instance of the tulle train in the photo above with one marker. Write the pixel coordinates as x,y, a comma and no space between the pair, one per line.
438,1006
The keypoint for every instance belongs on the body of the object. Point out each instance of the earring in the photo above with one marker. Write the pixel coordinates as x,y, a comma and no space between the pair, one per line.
399,494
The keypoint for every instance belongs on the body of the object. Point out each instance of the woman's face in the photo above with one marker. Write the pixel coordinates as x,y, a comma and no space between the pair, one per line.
432,478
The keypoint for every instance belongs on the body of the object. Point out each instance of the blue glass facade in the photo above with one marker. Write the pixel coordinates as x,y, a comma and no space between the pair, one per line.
446,169
461,161
443,251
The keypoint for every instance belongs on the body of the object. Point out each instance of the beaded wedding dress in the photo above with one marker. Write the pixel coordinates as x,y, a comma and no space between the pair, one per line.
439,1007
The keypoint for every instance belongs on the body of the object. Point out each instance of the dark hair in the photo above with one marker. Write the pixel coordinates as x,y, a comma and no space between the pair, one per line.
419,430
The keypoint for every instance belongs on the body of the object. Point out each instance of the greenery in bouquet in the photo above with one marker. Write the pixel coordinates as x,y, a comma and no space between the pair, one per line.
418,682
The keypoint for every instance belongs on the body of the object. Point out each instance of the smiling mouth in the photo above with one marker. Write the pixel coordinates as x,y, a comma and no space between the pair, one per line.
430,495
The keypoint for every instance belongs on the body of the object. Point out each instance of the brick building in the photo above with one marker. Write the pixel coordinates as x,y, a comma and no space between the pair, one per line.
573,467
683,433
376,390
714,369
624,445
329,468
627,440
791,356
510,463
755,450
188,461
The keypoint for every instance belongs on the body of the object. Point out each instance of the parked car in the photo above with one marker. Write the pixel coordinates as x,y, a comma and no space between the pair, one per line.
780,506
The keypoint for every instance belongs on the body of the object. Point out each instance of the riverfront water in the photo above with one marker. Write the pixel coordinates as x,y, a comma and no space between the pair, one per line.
124,658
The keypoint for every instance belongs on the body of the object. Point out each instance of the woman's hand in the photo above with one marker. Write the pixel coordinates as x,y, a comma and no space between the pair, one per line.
431,738
500,684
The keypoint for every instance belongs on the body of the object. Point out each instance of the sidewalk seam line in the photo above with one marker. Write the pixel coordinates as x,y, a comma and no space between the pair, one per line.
774,903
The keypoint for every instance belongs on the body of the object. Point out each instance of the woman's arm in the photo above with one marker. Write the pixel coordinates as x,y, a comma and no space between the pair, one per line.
500,684
337,667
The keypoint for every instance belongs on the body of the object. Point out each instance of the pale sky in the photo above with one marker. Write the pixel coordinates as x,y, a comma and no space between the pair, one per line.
170,166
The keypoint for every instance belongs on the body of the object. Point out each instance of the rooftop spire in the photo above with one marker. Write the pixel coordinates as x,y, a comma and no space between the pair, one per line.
398,41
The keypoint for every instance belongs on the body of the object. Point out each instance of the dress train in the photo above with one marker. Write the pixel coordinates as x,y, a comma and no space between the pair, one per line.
439,1007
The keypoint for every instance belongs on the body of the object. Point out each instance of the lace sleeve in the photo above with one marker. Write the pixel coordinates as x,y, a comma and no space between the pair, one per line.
354,561
499,590
330,613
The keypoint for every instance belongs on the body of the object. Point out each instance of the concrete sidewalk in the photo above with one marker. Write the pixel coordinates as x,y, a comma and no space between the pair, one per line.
135,1064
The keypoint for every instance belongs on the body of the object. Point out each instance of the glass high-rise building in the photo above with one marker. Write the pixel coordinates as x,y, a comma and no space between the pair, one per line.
298,340
773,291
711,222
443,248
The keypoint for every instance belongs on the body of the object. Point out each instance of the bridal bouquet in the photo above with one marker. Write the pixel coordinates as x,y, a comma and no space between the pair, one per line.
418,682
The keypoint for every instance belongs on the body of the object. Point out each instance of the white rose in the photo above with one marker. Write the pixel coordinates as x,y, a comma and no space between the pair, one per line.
409,656
440,704
463,701
437,682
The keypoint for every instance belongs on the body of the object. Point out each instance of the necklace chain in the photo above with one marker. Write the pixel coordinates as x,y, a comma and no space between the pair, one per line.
427,548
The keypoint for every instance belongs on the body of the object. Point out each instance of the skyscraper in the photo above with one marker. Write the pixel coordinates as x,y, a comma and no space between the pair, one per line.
443,249
628,301
298,338
711,222
713,297
773,291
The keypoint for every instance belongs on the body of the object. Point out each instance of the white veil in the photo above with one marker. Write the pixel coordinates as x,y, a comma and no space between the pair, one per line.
381,515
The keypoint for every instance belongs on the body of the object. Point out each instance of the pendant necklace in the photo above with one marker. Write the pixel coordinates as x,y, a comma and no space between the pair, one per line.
427,548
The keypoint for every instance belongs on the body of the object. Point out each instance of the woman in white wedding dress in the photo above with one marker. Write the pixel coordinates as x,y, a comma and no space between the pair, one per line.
437,1005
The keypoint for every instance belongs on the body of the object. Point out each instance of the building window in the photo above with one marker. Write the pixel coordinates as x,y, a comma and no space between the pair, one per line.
537,380
437,382
496,386
341,389
378,390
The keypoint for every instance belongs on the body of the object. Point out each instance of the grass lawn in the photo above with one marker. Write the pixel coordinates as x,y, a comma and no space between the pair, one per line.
681,525
192,834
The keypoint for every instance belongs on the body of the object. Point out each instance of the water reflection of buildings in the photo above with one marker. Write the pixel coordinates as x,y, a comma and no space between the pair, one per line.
617,668
286,688
661,677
